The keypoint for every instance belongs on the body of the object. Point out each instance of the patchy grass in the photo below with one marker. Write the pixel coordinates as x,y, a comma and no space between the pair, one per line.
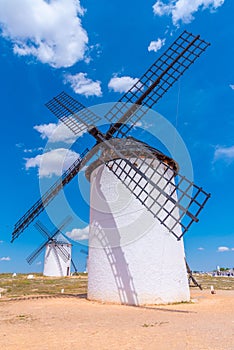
21,286
219,282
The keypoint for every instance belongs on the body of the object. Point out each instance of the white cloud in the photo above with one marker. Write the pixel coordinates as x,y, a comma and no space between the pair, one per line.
201,248
51,163
83,85
5,258
139,124
225,153
49,30
231,86
161,9
121,84
223,249
19,145
79,234
56,132
32,150
156,45
183,10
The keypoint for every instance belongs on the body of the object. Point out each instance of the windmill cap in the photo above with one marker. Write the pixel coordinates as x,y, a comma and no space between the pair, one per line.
60,239
126,146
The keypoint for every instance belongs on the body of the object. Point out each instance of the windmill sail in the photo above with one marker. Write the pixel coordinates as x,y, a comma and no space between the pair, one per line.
72,113
47,197
42,229
147,91
63,253
74,266
150,176
157,80
36,253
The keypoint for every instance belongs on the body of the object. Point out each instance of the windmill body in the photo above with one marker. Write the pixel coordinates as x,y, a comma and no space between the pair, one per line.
133,259
54,264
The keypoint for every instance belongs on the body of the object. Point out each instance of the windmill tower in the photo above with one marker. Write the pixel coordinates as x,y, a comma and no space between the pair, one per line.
152,182
57,259
55,263
123,230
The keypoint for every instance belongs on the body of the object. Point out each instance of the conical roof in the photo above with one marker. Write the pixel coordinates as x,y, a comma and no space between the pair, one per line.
128,146
61,239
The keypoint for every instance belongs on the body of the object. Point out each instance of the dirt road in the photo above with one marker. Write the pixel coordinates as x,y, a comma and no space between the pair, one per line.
75,323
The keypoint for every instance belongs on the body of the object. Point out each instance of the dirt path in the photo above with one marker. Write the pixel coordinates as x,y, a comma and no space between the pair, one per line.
70,323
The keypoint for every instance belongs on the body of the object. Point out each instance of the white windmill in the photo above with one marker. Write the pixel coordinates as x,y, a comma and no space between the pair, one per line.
57,259
133,258
148,267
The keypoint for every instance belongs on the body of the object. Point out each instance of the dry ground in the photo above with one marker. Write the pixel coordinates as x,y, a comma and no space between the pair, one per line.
76,323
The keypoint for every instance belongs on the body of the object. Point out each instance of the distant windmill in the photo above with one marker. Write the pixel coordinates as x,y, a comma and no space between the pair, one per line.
117,273
57,260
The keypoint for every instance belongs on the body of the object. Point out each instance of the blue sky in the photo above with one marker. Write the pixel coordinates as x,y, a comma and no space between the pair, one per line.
94,52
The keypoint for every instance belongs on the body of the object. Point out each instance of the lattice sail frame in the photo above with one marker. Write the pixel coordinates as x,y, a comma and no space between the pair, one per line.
72,113
157,80
155,181
48,196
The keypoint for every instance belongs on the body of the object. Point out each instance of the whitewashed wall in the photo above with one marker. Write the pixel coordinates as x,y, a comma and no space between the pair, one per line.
133,259
54,265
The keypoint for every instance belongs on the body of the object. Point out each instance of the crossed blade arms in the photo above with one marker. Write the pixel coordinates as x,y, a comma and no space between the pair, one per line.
49,239
57,249
149,89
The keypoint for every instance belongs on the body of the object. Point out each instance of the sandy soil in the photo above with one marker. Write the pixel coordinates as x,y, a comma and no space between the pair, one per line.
75,323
